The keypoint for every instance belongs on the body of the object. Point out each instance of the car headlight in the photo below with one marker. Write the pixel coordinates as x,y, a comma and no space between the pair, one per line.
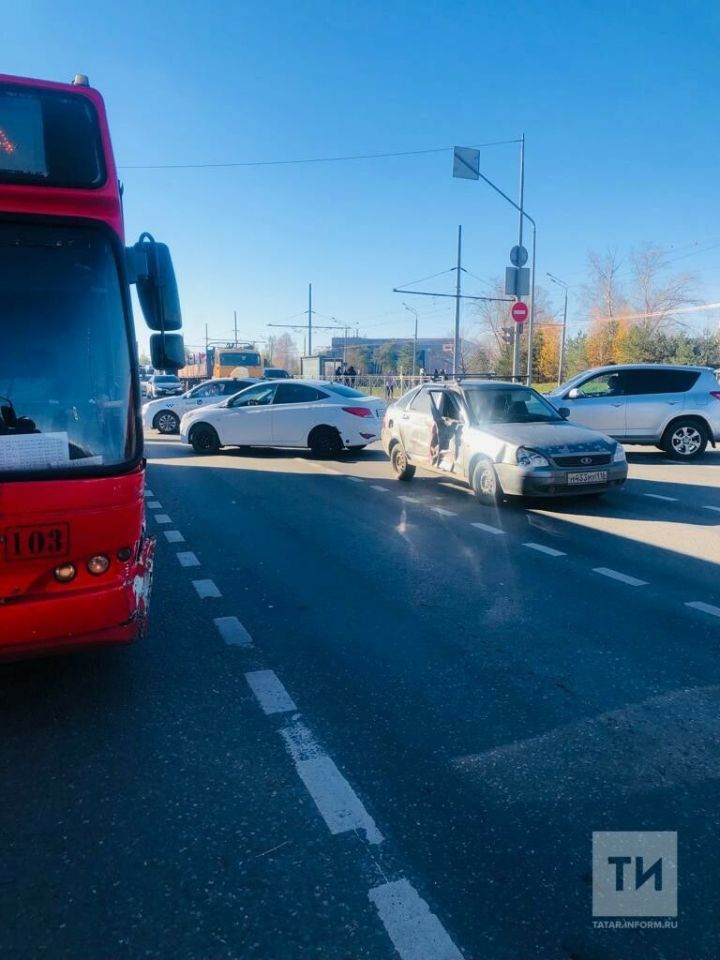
530,458
619,455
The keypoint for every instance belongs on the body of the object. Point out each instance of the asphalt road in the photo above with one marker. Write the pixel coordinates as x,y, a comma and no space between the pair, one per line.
372,720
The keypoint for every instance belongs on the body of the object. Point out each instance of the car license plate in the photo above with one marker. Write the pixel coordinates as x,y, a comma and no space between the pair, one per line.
592,476
33,543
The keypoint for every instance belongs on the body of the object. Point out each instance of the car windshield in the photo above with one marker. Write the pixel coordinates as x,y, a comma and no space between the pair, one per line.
511,405
166,379
65,372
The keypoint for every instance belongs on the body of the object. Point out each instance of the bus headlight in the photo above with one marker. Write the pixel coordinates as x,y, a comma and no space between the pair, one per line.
98,564
65,572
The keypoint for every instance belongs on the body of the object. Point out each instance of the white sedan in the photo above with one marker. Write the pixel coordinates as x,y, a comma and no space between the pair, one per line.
165,414
326,417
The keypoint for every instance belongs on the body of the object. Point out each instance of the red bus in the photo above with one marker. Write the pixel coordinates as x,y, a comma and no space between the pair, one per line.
75,558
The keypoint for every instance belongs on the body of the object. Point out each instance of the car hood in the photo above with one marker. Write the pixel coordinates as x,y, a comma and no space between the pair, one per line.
556,439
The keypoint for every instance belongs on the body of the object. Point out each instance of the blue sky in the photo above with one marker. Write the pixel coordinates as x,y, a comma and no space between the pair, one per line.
618,103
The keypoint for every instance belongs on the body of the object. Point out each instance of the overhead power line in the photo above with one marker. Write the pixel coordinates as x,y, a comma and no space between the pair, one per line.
284,163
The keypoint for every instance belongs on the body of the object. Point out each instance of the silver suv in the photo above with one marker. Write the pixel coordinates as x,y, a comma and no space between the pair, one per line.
676,408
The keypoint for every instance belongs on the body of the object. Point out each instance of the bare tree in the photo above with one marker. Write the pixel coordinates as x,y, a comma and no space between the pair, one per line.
603,291
657,295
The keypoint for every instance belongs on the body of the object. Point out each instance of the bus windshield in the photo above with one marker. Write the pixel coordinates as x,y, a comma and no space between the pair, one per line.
65,371
238,359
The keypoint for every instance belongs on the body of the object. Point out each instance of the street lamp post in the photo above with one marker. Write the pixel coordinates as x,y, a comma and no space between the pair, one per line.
413,310
561,283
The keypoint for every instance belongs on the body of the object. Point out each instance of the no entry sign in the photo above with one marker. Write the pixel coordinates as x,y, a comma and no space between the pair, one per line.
519,312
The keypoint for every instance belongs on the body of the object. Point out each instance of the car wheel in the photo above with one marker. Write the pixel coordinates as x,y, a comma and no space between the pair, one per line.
325,442
167,422
485,484
399,462
685,439
204,439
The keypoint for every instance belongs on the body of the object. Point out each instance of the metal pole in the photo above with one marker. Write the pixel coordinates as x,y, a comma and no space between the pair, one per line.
532,311
235,322
518,327
345,333
456,344
415,347
310,312
562,342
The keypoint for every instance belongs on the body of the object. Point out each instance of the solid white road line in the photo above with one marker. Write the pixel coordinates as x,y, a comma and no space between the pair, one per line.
622,577
714,509
162,518
487,528
153,505
233,632
174,536
269,692
659,496
355,479
375,486
443,512
206,588
149,493
337,802
541,548
416,933
186,558
704,607
410,499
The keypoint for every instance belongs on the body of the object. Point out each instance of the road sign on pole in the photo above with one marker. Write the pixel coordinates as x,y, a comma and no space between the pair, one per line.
518,256
519,312
466,163
517,281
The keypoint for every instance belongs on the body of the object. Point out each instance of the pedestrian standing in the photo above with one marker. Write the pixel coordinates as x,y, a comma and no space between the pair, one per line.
390,387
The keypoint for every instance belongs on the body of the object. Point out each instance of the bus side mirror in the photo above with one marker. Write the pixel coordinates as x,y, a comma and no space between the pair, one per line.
167,351
150,268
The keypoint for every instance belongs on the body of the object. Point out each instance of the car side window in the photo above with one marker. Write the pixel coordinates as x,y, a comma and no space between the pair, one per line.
255,397
660,381
449,407
422,403
230,388
297,393
604,385
208,390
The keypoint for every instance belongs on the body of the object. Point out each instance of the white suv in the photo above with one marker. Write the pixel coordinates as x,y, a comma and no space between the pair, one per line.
676,408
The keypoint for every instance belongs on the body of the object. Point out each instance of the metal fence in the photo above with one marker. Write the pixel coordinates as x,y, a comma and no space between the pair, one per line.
395,385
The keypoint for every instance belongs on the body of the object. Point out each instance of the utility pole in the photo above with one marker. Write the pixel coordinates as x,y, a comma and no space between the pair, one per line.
235,324
414,365
518,327
310,313
561,364
458,298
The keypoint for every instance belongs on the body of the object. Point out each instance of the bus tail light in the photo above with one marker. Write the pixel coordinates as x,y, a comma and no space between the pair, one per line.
65,572
358,411
98,564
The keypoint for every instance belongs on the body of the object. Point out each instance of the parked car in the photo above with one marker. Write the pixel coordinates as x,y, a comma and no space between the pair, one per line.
676,408
501,439
326,417
165,414
275,373
163,385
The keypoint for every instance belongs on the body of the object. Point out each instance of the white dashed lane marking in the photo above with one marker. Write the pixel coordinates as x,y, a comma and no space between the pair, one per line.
704,607
410,499
416,933
487,528
153,505
187,558
206,588
541,548
659,496
622,577
714,509
233,632
339,805
443,512
174,536
269,692
375,486
149,493
355,479
162,518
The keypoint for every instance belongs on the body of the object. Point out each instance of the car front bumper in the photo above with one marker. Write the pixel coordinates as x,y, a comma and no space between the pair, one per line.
518,481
